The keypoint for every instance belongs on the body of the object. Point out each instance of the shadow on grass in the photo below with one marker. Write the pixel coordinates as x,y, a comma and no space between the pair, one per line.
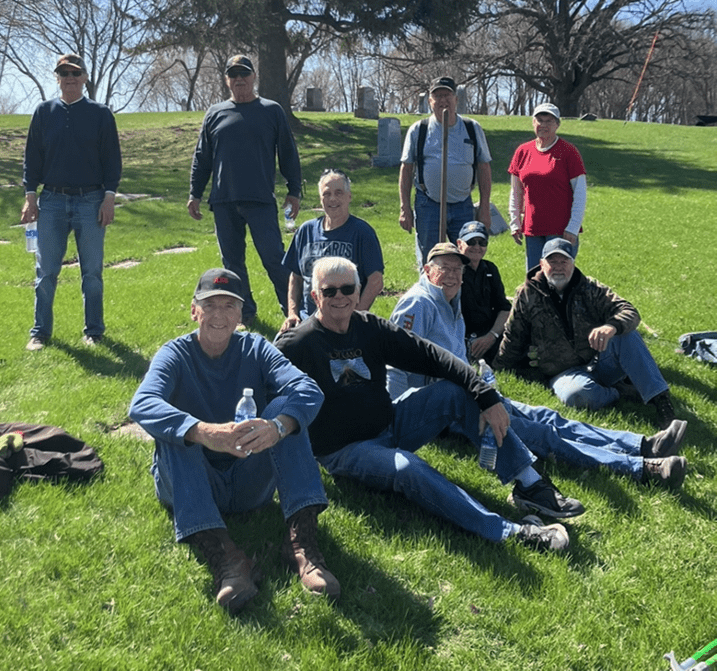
124,361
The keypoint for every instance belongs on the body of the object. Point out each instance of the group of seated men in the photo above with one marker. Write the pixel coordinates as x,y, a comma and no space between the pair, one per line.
360,395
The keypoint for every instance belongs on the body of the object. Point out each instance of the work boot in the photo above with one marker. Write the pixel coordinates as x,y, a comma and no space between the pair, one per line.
301,553
664,443
230,567
669,472
665,411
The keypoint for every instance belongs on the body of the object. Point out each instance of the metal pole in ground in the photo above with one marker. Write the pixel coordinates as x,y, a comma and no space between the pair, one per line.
444,177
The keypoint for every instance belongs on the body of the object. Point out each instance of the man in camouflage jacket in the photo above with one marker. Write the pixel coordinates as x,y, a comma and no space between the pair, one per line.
581,337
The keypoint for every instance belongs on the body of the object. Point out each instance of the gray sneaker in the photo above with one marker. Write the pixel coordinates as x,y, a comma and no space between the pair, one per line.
35,344
669,471
664,443
546,498
541,536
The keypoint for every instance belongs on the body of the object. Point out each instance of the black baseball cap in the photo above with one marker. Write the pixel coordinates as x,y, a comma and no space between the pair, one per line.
239,61
557,246
443,83
218,282
72,61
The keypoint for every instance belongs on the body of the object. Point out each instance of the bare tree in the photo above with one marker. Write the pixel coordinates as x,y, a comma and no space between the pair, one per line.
101,31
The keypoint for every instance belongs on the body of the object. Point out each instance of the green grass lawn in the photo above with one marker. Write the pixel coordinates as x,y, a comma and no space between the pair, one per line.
90,575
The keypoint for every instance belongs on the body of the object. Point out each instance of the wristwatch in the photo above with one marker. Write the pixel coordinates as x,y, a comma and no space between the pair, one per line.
280,428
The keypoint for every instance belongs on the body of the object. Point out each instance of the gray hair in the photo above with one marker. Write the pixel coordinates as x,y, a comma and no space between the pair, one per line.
333,265
331,173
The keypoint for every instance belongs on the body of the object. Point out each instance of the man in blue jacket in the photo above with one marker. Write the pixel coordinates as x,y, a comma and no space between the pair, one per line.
73,150
205,464
238,146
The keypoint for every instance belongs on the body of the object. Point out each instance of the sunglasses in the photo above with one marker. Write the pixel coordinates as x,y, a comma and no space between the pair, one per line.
239,72
476,241
345,289
69,73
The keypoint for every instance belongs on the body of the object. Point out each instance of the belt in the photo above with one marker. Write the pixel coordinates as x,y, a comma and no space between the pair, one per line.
74,190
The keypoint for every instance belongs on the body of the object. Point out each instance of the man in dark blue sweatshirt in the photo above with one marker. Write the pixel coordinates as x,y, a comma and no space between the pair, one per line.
73,150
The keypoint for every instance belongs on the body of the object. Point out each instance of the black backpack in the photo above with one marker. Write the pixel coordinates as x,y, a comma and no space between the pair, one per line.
423,131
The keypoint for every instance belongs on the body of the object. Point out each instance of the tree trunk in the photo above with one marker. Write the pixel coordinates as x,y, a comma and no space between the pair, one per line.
273,42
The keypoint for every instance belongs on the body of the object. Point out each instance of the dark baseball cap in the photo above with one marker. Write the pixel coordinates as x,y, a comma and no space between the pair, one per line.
239,61
71,61
557,246
443,83
473,229
445,249
218,282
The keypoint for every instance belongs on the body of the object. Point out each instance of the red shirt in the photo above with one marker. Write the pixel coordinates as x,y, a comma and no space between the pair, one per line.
546,176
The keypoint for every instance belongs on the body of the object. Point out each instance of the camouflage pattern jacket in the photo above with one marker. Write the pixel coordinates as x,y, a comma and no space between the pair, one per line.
551,335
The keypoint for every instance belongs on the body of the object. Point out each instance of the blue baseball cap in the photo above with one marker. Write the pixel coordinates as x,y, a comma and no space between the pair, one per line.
473,229
557,246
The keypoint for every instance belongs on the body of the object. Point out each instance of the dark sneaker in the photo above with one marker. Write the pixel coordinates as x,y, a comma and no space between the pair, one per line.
628,391
92,340
230,567
36,343
541,536
301,553
545,497
665,411
669,472
665,443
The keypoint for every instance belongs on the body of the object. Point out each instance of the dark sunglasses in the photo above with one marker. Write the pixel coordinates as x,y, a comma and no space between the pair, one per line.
239,72
345,289
69,73
476,241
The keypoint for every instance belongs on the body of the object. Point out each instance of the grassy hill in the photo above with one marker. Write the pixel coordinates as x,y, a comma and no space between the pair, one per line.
90,576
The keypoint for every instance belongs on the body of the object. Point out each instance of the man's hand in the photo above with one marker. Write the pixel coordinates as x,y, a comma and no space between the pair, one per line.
600,336
240,440
106,215
517,236
295,205
484,215
290,322
572,239
498,419
29,209
481,345
405,218
193,208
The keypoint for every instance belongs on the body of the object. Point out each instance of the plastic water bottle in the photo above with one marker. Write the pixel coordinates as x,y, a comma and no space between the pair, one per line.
246,408
488,447
289,223
31,236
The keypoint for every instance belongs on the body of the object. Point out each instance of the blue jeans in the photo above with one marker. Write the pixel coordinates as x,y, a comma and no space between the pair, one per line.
534,248
428,221
387,462
546,433
230,220
60,214
626,356
198,492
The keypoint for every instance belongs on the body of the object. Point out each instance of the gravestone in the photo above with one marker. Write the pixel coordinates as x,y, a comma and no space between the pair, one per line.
367,107
389,144
497,222
314,100
462,105
423,104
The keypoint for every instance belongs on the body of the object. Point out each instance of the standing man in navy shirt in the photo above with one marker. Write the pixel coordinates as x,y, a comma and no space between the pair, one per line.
238,145
73,150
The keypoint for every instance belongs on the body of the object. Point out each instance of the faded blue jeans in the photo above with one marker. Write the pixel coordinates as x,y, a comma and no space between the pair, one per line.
626,356
428,220
59,215
387,462
198,486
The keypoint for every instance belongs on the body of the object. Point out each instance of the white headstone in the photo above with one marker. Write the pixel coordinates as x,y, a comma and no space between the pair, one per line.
367,107
462,105
389,143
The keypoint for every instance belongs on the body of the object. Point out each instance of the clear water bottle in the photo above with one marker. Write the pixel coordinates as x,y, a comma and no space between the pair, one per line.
31,236
486,374
488,450
246,408
489,446
289,223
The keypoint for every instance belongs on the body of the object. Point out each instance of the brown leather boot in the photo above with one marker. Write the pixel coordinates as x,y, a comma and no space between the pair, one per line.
231,568
301,552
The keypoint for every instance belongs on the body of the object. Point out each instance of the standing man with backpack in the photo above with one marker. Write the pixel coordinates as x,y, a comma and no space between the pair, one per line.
468,164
